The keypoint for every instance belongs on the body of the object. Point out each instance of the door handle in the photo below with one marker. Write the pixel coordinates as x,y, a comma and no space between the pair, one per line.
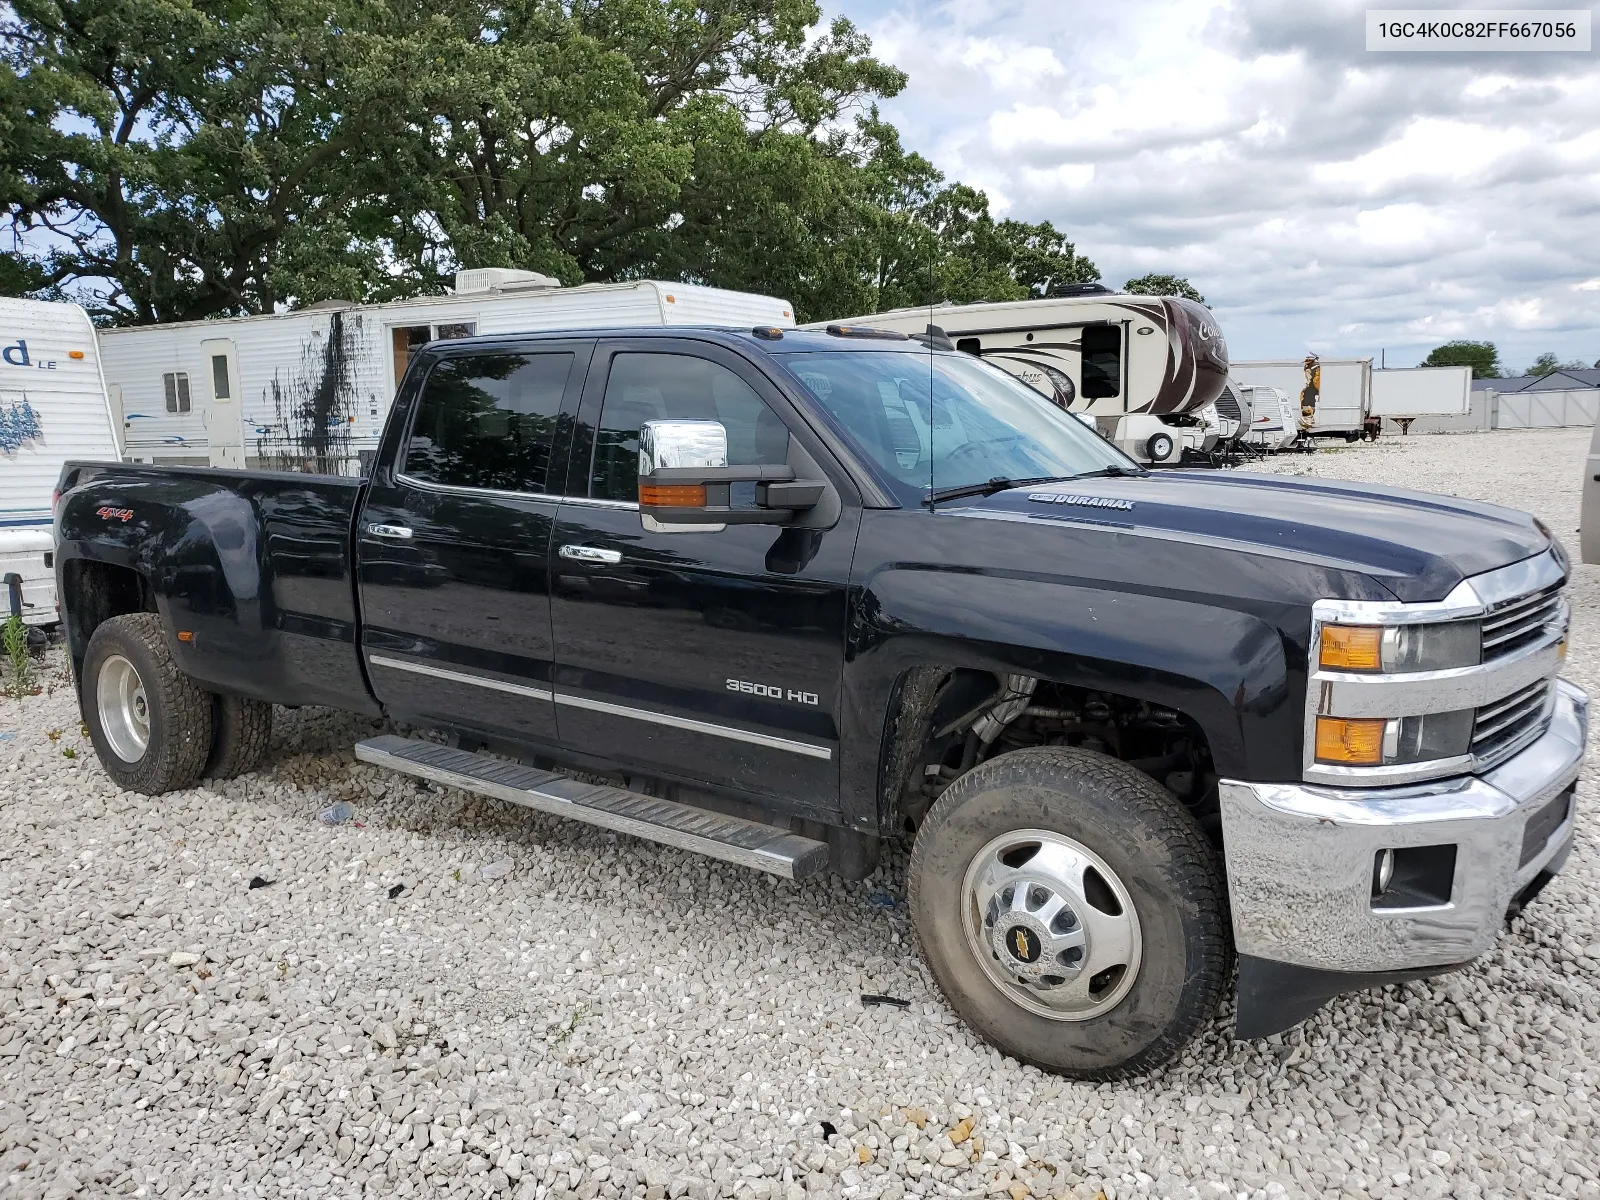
389,531
591,554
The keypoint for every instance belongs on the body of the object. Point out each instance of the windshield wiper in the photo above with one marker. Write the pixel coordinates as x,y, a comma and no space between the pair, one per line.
1112,472
999,483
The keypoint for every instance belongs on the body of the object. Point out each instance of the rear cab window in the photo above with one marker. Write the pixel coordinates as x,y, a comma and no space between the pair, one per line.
489,421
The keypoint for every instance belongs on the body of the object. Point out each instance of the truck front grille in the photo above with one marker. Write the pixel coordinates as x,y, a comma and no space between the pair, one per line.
1513,624
1503,727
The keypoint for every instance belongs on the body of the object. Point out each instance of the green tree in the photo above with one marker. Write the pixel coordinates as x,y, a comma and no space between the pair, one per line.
900,235
177,159
1163,285
1548,364
1482,357
185,159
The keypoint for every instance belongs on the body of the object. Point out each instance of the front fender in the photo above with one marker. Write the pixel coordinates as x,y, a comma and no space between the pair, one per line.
1219,655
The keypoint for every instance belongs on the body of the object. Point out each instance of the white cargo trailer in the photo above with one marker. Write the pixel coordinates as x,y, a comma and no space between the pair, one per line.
1402,394
53,407
309,390
1338,390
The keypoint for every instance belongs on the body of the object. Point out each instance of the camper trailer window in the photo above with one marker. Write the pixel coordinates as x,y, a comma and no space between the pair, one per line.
1102,361
219,376
654,387
489,421
407,339
176,385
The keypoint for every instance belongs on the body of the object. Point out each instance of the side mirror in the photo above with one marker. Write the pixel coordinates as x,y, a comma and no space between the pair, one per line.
685,479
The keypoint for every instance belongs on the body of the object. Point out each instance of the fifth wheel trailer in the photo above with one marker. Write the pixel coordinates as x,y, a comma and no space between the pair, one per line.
309,390
1144,367
1337,390
1402,394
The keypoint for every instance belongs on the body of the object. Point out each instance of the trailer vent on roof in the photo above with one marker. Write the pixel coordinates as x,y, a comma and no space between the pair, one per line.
490,279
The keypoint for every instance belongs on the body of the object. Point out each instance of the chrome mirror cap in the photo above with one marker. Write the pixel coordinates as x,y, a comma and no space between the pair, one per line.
682,444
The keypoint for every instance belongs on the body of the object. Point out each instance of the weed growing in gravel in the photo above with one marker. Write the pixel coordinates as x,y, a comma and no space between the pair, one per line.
15,638
69,752
573,1022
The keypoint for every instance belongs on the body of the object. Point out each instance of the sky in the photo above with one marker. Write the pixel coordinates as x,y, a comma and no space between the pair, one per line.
1321,197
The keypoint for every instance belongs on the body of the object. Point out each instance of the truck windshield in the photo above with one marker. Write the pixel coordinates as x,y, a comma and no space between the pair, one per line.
937,422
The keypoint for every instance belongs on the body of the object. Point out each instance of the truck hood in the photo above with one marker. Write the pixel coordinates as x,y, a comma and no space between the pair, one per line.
1415,545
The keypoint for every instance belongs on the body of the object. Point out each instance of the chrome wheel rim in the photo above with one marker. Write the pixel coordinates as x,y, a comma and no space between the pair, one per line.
124,710
1051,925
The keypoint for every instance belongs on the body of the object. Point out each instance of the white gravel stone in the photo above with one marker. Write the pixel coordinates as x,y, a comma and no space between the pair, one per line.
613,1019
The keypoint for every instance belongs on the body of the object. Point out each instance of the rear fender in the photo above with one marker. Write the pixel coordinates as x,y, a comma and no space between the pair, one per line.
237,619
197,547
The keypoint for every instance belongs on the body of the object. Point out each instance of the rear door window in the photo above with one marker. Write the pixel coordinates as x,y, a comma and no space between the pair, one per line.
489,421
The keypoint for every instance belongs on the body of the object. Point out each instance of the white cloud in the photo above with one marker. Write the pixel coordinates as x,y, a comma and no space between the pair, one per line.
1317,194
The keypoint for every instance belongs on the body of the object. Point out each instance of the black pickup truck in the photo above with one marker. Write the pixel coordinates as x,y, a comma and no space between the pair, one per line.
796,594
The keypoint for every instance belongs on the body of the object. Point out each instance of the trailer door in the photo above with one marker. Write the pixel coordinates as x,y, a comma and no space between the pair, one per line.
220,388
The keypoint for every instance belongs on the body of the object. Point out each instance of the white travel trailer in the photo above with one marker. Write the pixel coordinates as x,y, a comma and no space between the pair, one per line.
53,407
1141,366
1270,419
1339,390
310,389
1402,394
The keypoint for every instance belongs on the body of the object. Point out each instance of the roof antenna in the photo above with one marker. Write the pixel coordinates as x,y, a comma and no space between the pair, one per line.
929,340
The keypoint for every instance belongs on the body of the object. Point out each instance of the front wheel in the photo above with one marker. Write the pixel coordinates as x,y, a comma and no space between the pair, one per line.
1072,912
149,722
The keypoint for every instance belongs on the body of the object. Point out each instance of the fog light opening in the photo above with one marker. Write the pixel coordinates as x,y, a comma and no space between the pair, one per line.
1413,877
1382,872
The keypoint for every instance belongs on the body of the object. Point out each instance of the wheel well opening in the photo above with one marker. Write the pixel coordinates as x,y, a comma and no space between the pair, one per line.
99,591
963,717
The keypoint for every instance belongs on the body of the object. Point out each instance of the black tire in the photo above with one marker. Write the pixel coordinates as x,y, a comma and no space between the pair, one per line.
242,730
1158,448
1162,859
179,712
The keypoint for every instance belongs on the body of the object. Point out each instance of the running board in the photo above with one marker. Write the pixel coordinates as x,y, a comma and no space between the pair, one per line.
732,839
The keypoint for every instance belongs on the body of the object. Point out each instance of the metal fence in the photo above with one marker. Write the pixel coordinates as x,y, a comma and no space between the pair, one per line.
1547,410
1515,410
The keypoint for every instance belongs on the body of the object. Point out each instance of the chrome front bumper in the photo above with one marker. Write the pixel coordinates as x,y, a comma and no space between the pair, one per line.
1301,858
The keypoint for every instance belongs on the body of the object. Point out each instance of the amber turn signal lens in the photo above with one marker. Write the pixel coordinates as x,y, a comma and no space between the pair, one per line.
1350,742
673,495
1352,647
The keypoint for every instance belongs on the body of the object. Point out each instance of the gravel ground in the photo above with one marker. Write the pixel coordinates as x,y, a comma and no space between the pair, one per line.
612,1019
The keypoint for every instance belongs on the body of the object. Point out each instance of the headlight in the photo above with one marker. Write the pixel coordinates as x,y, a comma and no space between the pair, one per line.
1401,648
1382,742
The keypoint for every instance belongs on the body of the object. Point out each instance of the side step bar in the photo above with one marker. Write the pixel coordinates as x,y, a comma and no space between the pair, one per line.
732,839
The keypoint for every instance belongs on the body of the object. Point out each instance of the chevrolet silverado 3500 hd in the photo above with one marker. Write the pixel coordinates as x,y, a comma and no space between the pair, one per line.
796,593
